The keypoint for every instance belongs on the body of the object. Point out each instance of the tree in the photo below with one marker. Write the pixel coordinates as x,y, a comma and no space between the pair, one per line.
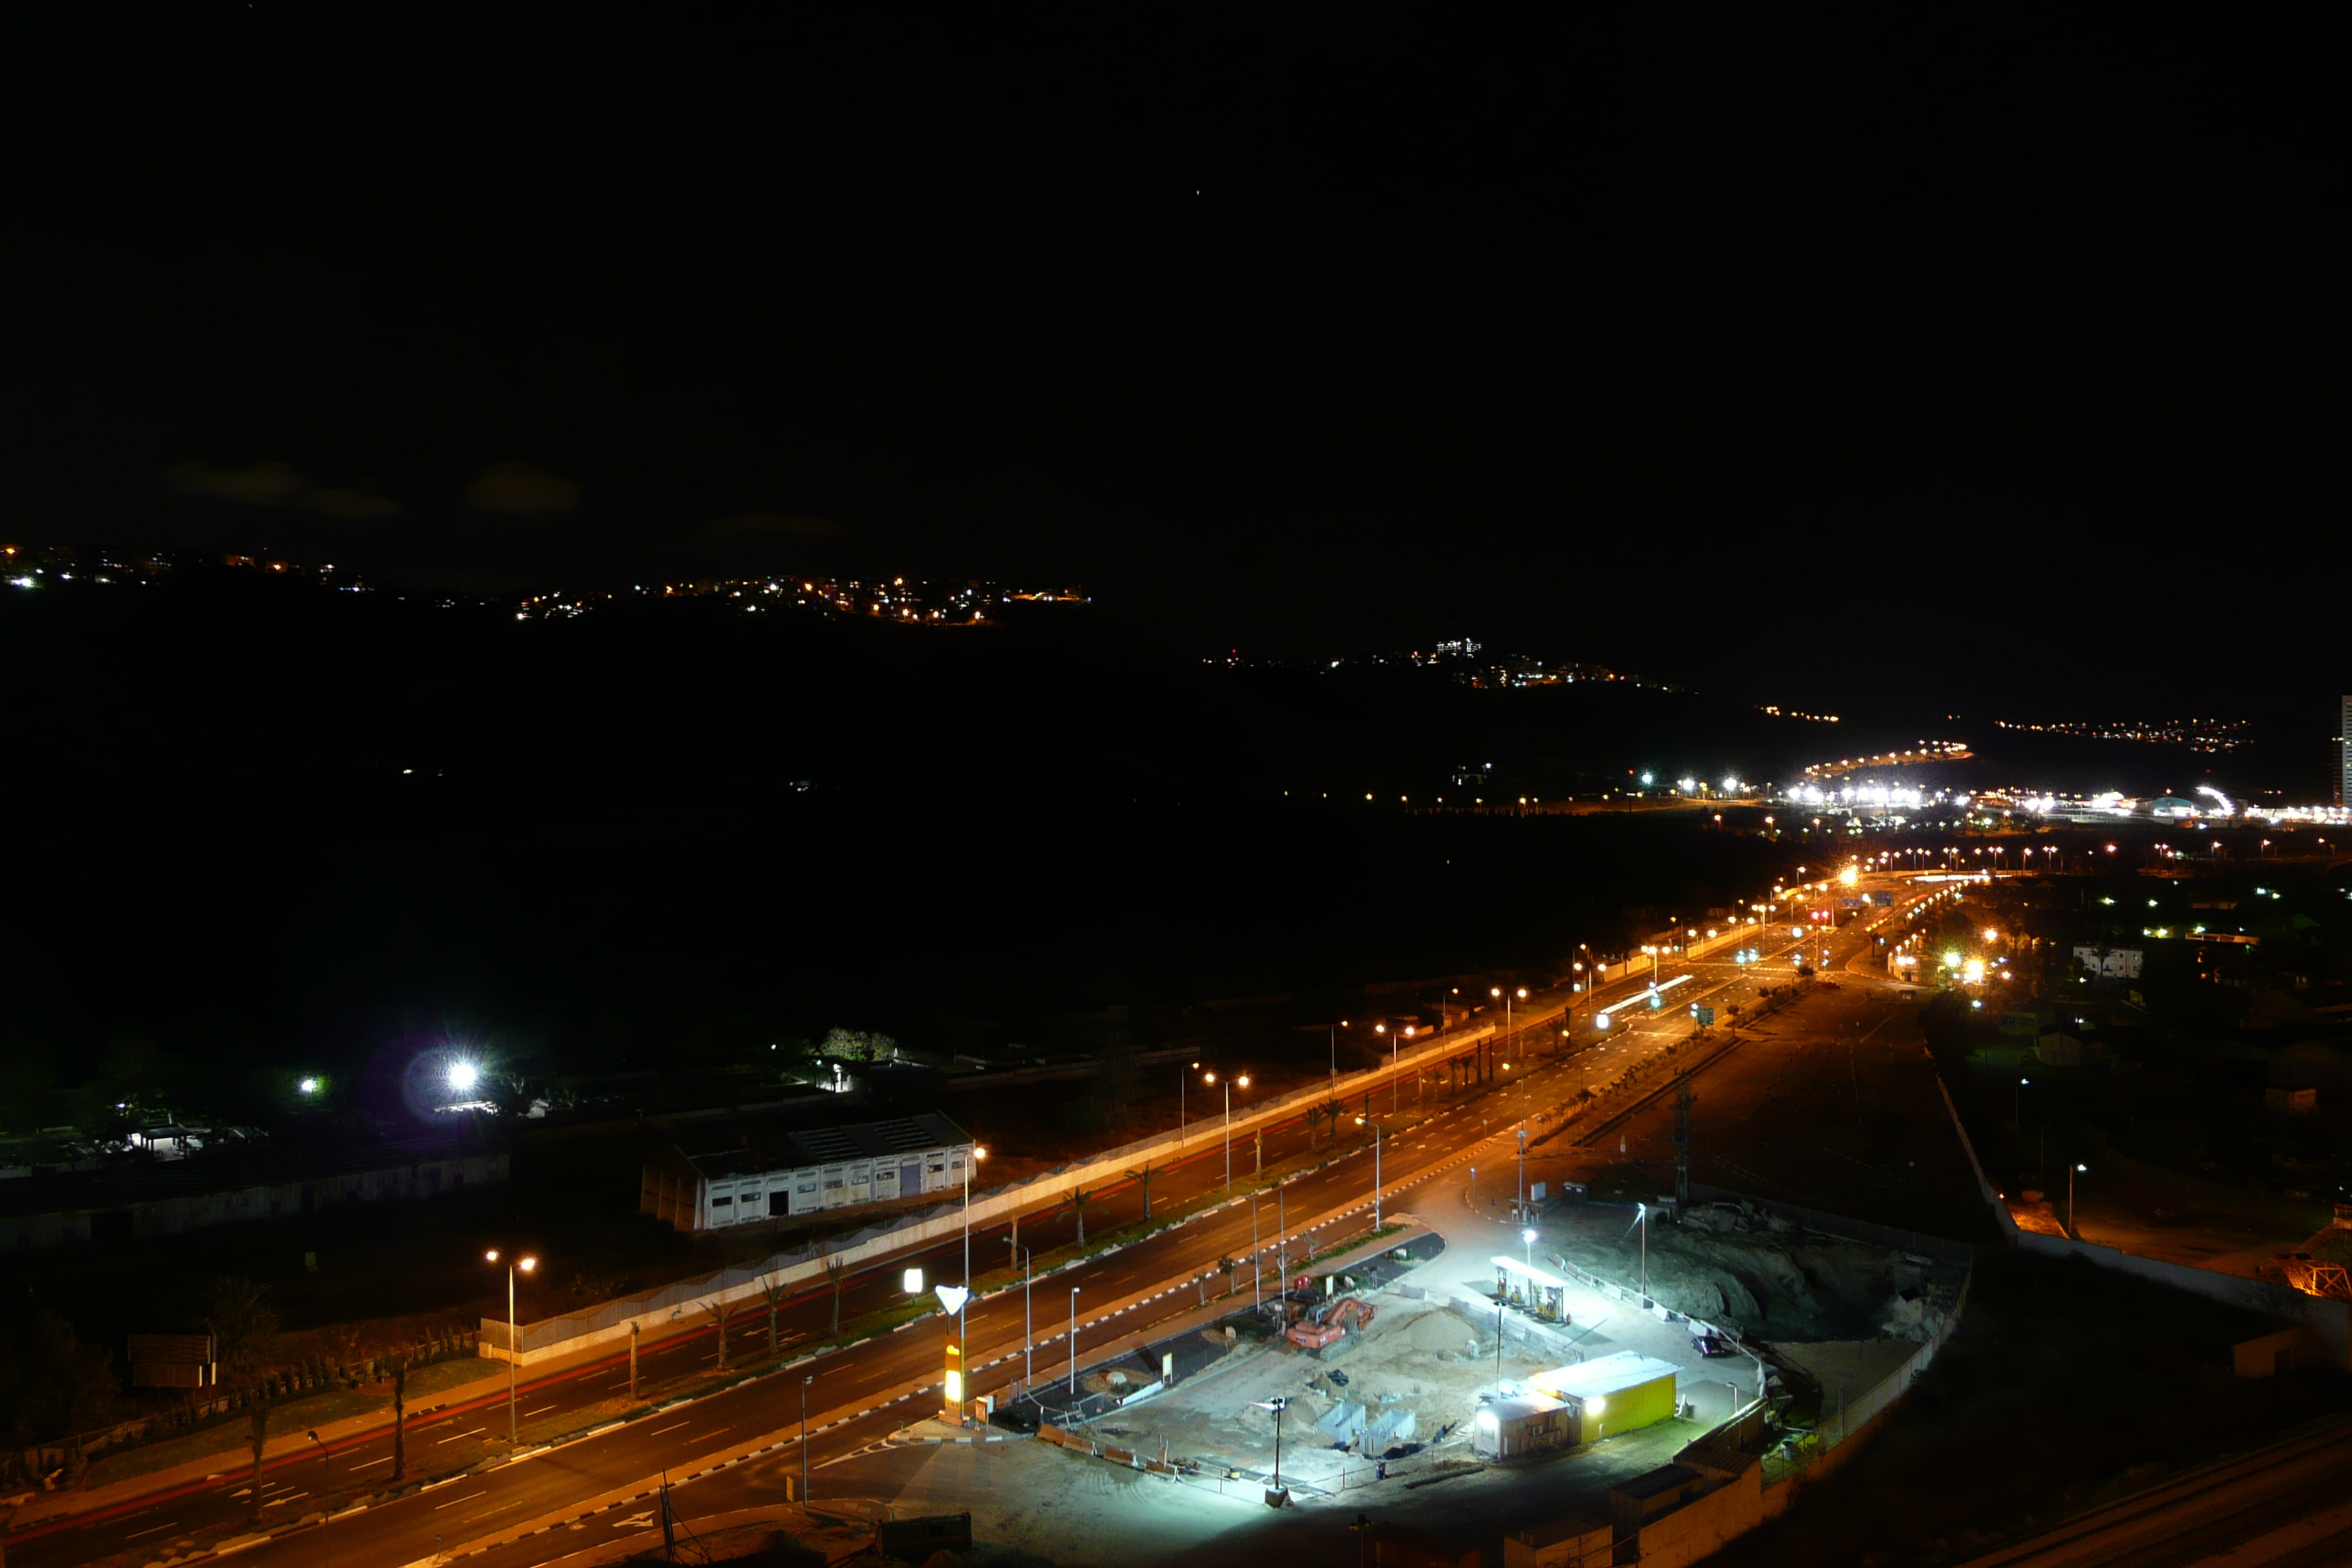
773,1289
243,1325
1143,1179
257,1435
859,1045
717,1311
836,1274
1078,1203
400,1421
52,1384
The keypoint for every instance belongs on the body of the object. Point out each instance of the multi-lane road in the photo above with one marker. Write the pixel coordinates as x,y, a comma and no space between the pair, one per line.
858,1395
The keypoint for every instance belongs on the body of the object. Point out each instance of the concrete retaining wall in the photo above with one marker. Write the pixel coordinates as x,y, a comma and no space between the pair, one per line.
2329,1321
179,1213
682,1306
685,1301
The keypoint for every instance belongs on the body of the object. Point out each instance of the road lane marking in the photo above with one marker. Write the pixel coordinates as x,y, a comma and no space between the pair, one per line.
540,1411
374,1463
454,1435
454,1502
658,1432
151,1530
289,1497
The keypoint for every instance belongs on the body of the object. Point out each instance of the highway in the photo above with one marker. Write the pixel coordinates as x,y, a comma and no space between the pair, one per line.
2284,1505
858,1395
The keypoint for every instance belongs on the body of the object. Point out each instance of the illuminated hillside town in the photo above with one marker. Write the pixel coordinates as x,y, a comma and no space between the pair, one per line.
1033,788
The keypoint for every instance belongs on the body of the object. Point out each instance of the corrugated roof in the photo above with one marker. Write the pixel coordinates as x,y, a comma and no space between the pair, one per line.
798,1149
1626,1369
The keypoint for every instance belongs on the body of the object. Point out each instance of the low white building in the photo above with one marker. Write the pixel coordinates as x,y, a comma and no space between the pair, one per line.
773,1176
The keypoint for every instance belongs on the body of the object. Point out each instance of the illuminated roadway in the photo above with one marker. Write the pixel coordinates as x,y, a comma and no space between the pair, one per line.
861,1394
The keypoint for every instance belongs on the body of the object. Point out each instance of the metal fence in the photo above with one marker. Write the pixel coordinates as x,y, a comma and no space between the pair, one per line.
1882,1396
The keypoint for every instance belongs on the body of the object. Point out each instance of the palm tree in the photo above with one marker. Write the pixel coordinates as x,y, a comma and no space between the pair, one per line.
836,1274
717,1311
1078,1203
773,1289
1144,1178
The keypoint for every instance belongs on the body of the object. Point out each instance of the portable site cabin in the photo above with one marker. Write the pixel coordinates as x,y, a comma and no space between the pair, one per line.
803,1171
1612,1395
1531,1289
1510,1428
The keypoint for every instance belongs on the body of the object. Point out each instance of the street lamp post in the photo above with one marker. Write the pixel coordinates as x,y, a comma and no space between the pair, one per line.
2071,1171
1528,1237
1281,1249
978,1155
326,1496
1229,1083
806,1378
1073,1341
514,1332
1028,1336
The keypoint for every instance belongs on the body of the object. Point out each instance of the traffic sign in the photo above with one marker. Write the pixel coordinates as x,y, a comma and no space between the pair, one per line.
1705,1016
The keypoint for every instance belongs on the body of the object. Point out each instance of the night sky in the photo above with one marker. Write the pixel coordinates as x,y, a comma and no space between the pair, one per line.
1998,346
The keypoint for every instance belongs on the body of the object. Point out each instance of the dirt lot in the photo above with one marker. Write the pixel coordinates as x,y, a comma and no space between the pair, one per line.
1833,1104
1420,1368
1736,1265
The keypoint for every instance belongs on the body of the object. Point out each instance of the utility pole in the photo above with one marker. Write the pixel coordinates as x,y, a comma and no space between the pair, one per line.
1257,1252
1682,1140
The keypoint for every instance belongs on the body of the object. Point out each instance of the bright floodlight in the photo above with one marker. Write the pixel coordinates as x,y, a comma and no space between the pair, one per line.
463,1075
308,1085
1527,1235
491,1255
1602,1022
525,1264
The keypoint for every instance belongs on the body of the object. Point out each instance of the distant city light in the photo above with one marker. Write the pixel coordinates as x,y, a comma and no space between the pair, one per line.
308,1085
463,1075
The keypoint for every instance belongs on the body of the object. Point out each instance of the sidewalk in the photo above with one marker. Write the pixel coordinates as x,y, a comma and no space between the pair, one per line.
234,1455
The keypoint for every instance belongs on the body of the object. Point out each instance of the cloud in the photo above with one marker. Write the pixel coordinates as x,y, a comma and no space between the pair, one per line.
522,487
279,484
349,503
769,522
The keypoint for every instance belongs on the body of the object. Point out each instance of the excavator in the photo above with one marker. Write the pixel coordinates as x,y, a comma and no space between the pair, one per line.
1328,1322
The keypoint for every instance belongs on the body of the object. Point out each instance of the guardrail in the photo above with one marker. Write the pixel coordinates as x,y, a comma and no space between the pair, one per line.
682,1303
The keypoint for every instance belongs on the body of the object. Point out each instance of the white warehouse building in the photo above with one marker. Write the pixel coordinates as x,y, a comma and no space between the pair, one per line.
801,1172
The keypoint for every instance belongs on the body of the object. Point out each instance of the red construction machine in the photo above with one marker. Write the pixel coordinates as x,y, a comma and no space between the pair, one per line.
1328,1322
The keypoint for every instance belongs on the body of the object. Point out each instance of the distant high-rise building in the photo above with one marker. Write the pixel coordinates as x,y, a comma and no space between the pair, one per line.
2343,755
